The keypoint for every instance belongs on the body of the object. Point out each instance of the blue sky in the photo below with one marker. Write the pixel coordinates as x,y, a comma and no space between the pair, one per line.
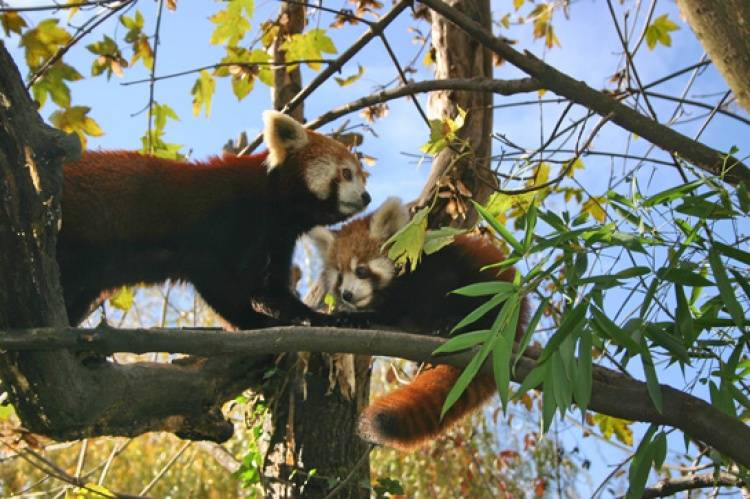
590,52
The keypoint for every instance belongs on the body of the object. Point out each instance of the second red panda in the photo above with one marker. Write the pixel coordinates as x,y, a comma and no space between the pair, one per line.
361,277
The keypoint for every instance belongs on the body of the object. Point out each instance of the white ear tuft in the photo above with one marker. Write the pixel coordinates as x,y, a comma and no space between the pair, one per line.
323,239
388,219
282,135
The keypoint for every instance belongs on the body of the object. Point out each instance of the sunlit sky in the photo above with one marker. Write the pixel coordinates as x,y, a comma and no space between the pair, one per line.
590,52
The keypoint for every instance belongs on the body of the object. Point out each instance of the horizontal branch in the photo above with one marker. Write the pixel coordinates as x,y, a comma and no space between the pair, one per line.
708,159
671,486
613,393
503,87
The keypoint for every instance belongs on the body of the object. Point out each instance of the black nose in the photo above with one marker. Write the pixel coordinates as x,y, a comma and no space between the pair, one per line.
347,295
366,198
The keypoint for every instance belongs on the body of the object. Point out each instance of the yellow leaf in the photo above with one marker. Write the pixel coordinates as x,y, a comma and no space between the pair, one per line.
620,428
577,165
343,82
12,22
517,4
595,208
123,298
541,92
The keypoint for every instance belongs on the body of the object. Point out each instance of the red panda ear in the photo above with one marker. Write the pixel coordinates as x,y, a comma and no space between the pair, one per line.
282,135
389,218
323,239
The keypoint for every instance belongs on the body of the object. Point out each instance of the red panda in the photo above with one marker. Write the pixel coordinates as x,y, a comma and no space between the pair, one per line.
227,225
361,277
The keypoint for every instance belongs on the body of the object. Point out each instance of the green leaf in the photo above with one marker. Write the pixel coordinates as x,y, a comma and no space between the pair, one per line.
612,330
485,288
231,23
640,465
672,193
309,45
52,84
743,199
658,32
480,311
43,41
583,381
348,80
549,405
652,381
535,378
561,386
732,252
499,228
468,374
571,321
684,322
76,119
682,276
725,288
463,341
443,132
524,341
406,244
699,207
435,240
203,92
501,369
632,272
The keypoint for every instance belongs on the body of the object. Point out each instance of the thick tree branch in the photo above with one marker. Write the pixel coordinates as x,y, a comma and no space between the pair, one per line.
502,87
708,159
723,28
672,486
613,393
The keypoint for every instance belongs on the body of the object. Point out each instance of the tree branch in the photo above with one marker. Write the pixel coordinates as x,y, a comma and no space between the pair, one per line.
671,486
708,159
502,87
374,30
613,393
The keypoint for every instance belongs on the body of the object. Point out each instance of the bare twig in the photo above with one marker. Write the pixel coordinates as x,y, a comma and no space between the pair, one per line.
323,76
708,159
152,80
249,65
360,462
166,468
59,6
671,486
503,87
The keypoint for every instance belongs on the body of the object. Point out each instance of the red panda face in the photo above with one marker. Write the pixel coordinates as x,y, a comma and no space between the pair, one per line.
354,268
330,173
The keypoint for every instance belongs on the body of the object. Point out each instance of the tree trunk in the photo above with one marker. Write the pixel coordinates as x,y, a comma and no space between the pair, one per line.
312,429
316,430
56,393
457,55
287,84
723,28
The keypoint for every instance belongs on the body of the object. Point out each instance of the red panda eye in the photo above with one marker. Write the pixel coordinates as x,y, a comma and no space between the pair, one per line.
347,174
362,272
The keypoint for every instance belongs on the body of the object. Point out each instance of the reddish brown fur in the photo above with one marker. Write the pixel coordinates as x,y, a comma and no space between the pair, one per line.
227,225
421,301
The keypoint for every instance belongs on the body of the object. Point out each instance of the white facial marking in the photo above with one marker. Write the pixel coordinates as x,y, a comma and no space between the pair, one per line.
361,290
350,191
319,175
384,269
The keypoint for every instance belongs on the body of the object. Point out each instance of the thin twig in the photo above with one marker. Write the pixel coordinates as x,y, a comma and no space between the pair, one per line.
90,26
360,462
152,81
374,30
166,468
74,5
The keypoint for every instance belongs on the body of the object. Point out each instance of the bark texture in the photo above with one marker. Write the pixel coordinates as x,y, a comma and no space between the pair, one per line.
723,28
458,55
287,83
56,393
313,423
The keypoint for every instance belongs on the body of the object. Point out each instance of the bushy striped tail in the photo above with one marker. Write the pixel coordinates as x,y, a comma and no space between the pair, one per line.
410,416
